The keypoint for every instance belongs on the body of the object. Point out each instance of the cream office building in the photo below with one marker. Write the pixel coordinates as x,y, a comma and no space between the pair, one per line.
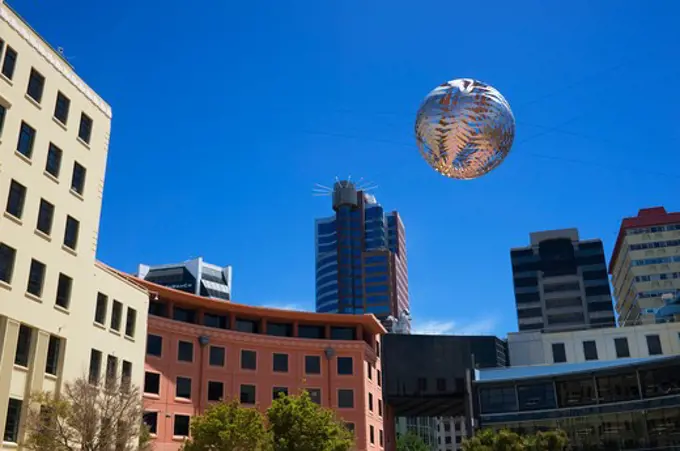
62,314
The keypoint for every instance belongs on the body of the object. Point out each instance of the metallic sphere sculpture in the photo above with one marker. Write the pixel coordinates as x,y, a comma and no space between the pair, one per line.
464,129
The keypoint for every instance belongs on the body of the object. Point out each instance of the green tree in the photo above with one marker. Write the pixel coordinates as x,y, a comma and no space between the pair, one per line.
505,440
296,423
228,427
411,442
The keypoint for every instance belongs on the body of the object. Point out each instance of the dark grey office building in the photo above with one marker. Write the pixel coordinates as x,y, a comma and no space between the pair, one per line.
561,283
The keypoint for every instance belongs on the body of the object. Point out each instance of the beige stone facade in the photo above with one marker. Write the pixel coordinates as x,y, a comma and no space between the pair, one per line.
57,303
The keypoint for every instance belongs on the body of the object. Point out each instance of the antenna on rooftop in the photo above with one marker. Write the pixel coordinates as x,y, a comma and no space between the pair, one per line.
361,185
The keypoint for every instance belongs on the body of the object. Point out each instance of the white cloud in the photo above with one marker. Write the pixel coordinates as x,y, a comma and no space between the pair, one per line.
286,306
484,326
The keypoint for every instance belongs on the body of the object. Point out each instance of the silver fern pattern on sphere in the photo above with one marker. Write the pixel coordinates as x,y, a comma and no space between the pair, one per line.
464,129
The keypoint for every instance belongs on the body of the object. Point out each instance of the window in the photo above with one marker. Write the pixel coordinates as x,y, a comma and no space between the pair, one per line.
85,129
346,398
181,427
537,396
185,351
654,345
100,310
9,62
78,178
372,434
36,85
154,345
183,387
379,378
248,360
381,437
3,113
215,391
307,331
184,315
246,325
45,217
422,384
280,363
279,391
280,329
116,315
126,375
53,350
621,345
590,350
441,384
61,108
152,383
370,402
71,233
247,394
345,365
23,346
312,364
111,370
216,356
7,256
350,427
369,369
12,422
130,322
559,353
498,399
343,333
26,140
380,405
151,421
53,164
16,199
95,366
217,321
64,286
36,278
315,395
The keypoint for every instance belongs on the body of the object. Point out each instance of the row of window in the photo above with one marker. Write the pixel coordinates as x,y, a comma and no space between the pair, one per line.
36,277
25,340
654,245
16,200
655,229
36,89
655,261
116,319
111,374
664,276
621,345
217,357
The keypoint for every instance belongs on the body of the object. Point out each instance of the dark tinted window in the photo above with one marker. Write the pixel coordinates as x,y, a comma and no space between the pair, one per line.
100,310
71,233
346,398
576,392
618,387
185,351
654,345
45,217
315,395
23,346
78,178
181,427
280,329
151,421
116,315
36,85
11,434
530,313
621,345
53,165
247,394
660,381
498,400
64,288
248,360
131,322
7,256
154,345
343,333
246,325
216,356
590,350
9,62
157,308
536,396
279,391
95,366
152,383
597,290
525,298
183,387
36,278
61,108
215,391
184,315
312,364
3,113
26,140
216,321
85,129
526,282
345,365
16,199
280,363
306,331
53,351
559,353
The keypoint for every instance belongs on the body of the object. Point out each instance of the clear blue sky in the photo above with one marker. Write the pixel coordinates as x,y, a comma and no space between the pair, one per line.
226,113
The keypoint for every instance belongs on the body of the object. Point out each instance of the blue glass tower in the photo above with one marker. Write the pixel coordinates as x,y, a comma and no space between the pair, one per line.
360,257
